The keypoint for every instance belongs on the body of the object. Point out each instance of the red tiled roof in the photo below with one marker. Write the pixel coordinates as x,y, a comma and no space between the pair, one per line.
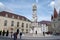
3,13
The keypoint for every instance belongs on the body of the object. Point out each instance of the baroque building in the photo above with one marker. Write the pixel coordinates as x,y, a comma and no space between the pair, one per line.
13,22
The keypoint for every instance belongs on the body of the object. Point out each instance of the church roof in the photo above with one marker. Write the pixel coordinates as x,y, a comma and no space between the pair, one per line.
55,13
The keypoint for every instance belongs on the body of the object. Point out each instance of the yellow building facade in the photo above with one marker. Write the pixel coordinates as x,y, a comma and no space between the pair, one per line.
13,22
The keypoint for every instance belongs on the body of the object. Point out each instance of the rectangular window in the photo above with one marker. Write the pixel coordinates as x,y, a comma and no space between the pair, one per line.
12,16
6,15
12,23
5,23
22,24
22,18
17,24
26,25
26,30
22,30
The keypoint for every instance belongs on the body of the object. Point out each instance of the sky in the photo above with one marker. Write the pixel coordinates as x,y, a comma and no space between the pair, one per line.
24,8
57,5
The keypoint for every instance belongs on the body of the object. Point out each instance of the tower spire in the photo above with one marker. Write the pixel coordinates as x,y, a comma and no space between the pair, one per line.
55,13
34,9
34,14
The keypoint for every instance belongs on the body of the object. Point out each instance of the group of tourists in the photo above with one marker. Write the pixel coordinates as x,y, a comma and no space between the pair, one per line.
3,33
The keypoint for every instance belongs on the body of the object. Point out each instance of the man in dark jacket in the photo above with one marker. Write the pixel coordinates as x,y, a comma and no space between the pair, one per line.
20,34
15,36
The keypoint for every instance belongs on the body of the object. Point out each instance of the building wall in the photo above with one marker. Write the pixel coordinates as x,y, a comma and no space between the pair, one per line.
50,28
8,27
56,25
44,28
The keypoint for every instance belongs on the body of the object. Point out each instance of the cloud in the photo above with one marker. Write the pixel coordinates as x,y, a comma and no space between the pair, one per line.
44,18
52,4
36,1
2,5
4,8
57,4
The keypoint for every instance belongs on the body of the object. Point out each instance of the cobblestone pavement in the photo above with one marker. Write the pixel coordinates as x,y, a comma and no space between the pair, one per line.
34,38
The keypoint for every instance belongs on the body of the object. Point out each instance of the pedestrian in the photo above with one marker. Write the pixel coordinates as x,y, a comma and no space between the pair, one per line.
7,33
20,34
15,36
36,32
43,33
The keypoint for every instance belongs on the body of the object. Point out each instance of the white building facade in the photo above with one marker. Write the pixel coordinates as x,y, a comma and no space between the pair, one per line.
44,26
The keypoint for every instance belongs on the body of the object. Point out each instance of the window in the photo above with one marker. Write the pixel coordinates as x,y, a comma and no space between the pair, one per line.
12,16
22,18
29,25
17,24
5,23
6,15
26,25
22,24
18,17
26,30
22,30
12,23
